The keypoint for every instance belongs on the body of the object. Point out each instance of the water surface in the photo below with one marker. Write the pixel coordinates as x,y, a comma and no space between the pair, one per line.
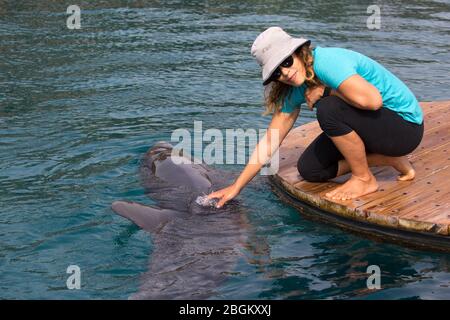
78,109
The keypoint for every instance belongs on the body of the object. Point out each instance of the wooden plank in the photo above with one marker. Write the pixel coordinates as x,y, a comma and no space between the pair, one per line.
391,206
420,205
386,177
299,138
425,165
434,137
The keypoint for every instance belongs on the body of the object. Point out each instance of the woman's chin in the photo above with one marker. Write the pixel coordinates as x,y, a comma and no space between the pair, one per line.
295,83
298,83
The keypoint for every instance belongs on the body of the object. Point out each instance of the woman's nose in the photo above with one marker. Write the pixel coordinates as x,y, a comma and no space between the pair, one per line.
285,71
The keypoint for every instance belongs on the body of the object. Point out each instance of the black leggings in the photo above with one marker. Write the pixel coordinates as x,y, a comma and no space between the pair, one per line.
383,131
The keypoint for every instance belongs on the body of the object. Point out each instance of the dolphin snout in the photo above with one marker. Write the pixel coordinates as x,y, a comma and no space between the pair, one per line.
160,148
162,145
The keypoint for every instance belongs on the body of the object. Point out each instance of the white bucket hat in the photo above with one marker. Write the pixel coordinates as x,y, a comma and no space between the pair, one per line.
271,47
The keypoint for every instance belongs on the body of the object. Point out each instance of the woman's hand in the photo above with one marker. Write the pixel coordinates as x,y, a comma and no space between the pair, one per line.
224,194
313,94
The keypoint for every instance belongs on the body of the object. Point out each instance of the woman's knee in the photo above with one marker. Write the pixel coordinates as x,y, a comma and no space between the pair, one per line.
310,171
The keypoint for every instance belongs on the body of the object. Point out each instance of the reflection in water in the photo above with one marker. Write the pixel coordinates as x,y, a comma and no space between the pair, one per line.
78,108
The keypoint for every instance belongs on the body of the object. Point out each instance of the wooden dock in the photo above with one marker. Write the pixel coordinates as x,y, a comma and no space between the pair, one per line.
415,213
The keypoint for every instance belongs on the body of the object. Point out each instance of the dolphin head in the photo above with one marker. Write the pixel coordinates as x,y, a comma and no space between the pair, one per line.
158,162
159,150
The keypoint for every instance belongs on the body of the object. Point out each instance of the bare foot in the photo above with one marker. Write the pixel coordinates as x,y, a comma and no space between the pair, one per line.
402,165
355,187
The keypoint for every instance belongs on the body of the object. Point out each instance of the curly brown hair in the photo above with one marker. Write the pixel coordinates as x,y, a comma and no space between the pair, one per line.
275,93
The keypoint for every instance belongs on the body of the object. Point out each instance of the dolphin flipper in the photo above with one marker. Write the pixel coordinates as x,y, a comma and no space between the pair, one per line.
151,219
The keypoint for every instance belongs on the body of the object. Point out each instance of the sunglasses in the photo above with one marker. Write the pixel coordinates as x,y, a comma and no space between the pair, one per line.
285,64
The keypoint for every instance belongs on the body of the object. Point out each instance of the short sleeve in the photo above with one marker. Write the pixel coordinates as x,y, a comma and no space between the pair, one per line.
335,67
294,99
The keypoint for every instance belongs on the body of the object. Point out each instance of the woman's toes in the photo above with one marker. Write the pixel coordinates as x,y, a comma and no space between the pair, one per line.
330,194
347,196
408,176
338,196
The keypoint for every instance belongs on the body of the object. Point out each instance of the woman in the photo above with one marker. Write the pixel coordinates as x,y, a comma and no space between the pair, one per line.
368,116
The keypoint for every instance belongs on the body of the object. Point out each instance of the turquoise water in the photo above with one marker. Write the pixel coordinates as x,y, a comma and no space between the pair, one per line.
78,109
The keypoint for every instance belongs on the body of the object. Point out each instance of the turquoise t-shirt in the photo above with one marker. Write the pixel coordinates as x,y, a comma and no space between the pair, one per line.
334,65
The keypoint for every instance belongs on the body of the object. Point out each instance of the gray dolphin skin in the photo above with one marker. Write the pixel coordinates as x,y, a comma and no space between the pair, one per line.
194,247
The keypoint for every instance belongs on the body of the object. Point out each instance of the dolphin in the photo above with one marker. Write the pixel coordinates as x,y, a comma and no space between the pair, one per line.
195,247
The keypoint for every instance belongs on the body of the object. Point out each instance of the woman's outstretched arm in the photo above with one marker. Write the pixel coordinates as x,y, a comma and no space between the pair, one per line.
282,123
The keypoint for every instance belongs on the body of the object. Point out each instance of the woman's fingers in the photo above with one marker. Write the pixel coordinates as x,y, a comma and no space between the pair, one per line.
224,195
216,194
308,99
221,195
221,202
312,95
308,102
